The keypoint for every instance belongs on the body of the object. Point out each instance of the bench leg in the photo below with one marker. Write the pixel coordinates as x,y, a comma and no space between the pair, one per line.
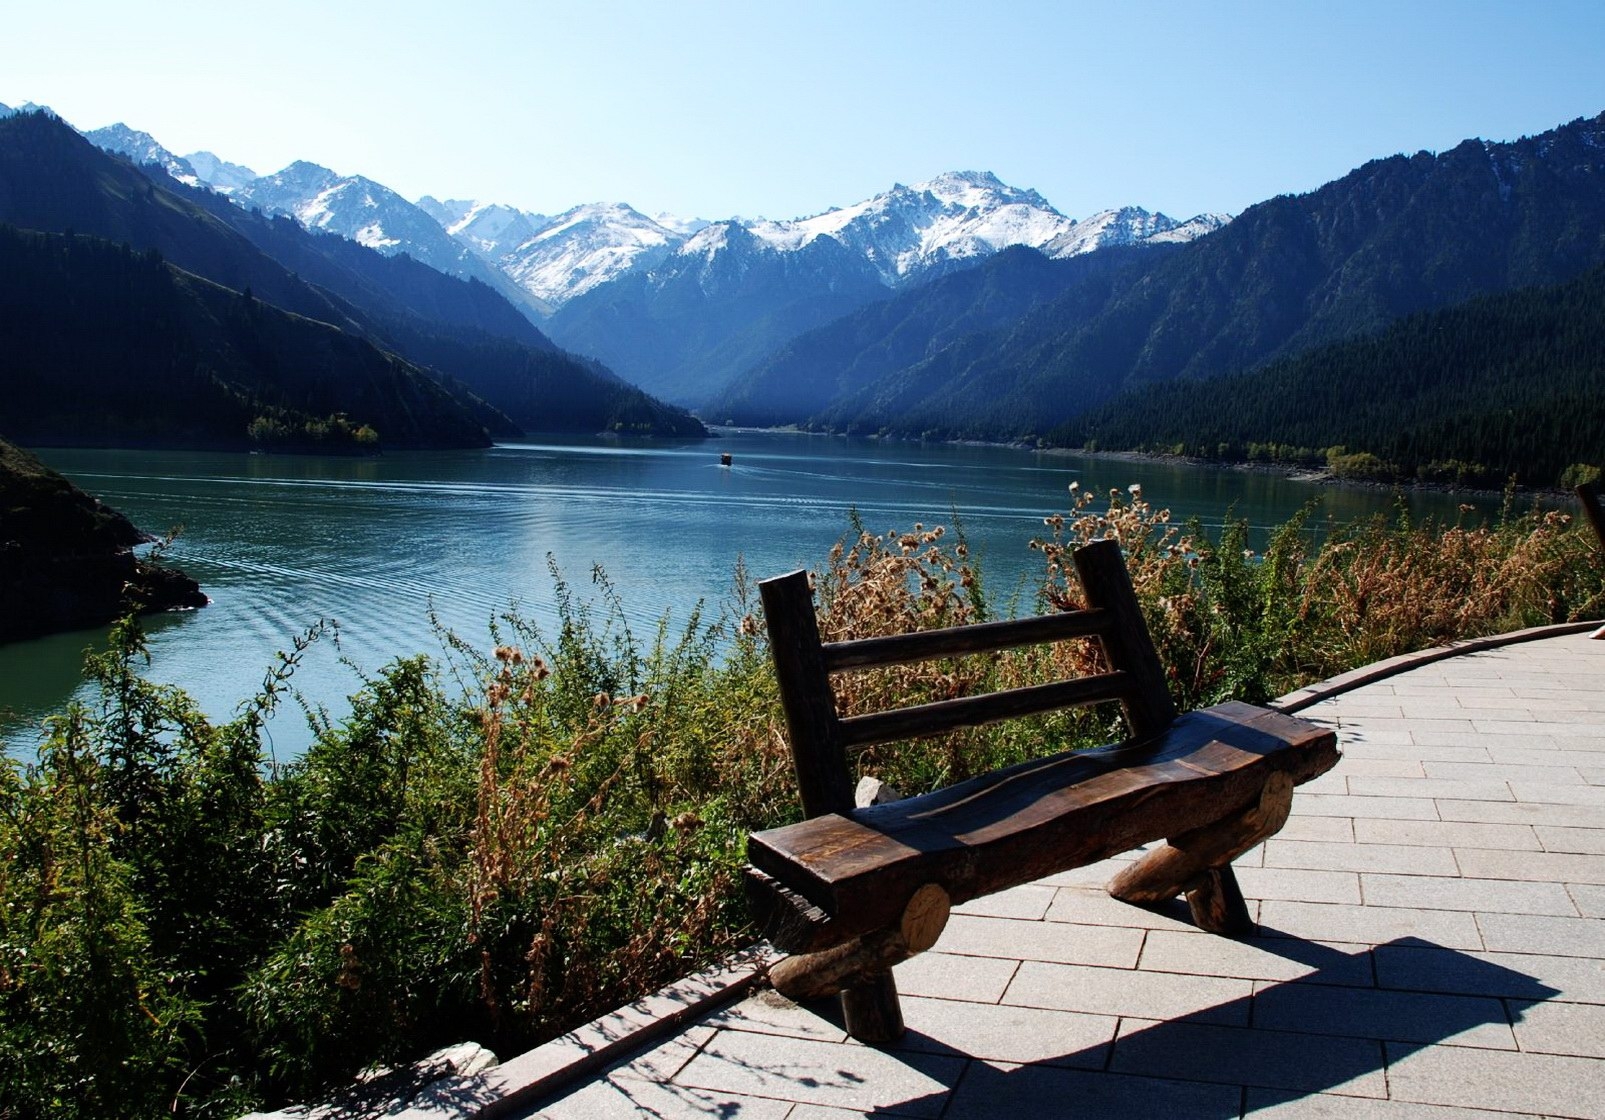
1198,863
1217,904
871,1011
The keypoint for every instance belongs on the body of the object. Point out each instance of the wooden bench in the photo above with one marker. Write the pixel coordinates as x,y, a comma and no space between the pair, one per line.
854,889
1594,510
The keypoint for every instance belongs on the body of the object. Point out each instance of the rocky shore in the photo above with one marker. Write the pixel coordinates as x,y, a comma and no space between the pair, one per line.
67,562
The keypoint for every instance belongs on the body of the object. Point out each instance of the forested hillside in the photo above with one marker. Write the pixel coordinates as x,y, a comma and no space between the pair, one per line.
54,180
102,344
816,370
1498,386
1397,236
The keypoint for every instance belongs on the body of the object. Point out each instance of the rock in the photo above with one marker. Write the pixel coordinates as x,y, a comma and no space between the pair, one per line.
67,561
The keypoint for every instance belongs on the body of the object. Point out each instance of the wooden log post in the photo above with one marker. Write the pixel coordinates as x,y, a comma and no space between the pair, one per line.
1126,645
812,975
869,1006
1198,863
1594,510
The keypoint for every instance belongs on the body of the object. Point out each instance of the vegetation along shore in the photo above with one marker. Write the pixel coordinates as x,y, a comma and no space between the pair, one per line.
498,846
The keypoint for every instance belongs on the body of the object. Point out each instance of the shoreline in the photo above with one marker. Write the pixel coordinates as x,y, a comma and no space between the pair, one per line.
1314,475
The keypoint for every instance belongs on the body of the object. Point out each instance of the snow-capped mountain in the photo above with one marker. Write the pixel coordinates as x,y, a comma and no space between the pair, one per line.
222,176
907,234
371,214
489,229
587,246
141,147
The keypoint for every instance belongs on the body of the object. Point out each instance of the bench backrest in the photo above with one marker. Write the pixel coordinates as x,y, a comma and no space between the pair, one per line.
821,739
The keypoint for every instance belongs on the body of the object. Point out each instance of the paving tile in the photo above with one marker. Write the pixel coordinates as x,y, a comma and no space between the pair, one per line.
1255,958
663,1061
1092,875
1397,808
1522,976
1546,867
1271,1104
1590,899
1501,812
1581,841
1414,752
1560,730
1401,858
949,976
992,1090
1495,895
1113,991
1502,771
1359,766
1029,902
1327,830
1579,756
1447,834
1062,942
631,1098
1547,793
1552,1027
1298,884
804,1070
1007,1033
1368,925
1548,936
1240,1056
1084,906
766,1011
1434,787
825,1112
1332,783
1383,1013
1457,1075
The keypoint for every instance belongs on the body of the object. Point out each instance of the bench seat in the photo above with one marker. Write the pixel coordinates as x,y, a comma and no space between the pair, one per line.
826,880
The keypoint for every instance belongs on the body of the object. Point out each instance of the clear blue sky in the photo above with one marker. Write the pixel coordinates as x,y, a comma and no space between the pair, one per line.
715,109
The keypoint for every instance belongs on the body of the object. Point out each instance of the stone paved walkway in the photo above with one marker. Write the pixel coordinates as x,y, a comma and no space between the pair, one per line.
1432,932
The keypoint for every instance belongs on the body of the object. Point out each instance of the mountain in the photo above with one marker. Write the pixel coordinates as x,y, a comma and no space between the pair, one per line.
1502,385
717,305
584,247
1396,236
818,368
673,322
371,214
105,344
142,148
488,229
52,179
222,176
66,560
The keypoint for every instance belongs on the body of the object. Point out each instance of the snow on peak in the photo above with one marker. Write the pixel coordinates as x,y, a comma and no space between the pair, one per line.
141,147
583,247
222,176
910,230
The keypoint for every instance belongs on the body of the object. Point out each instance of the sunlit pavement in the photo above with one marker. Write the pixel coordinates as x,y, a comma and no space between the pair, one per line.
1431,939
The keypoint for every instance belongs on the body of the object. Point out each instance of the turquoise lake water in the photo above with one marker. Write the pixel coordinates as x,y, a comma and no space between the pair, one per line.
279,542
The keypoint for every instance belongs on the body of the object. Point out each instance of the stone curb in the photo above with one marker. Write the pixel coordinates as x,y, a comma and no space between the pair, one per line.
1299,699
522,1080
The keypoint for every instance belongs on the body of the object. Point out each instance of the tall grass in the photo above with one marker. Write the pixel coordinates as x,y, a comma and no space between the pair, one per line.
497,846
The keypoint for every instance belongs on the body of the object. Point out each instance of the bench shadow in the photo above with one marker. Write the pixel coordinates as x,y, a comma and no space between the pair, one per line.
1310,1035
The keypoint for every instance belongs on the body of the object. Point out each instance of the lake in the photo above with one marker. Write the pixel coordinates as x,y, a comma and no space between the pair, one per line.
279,542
